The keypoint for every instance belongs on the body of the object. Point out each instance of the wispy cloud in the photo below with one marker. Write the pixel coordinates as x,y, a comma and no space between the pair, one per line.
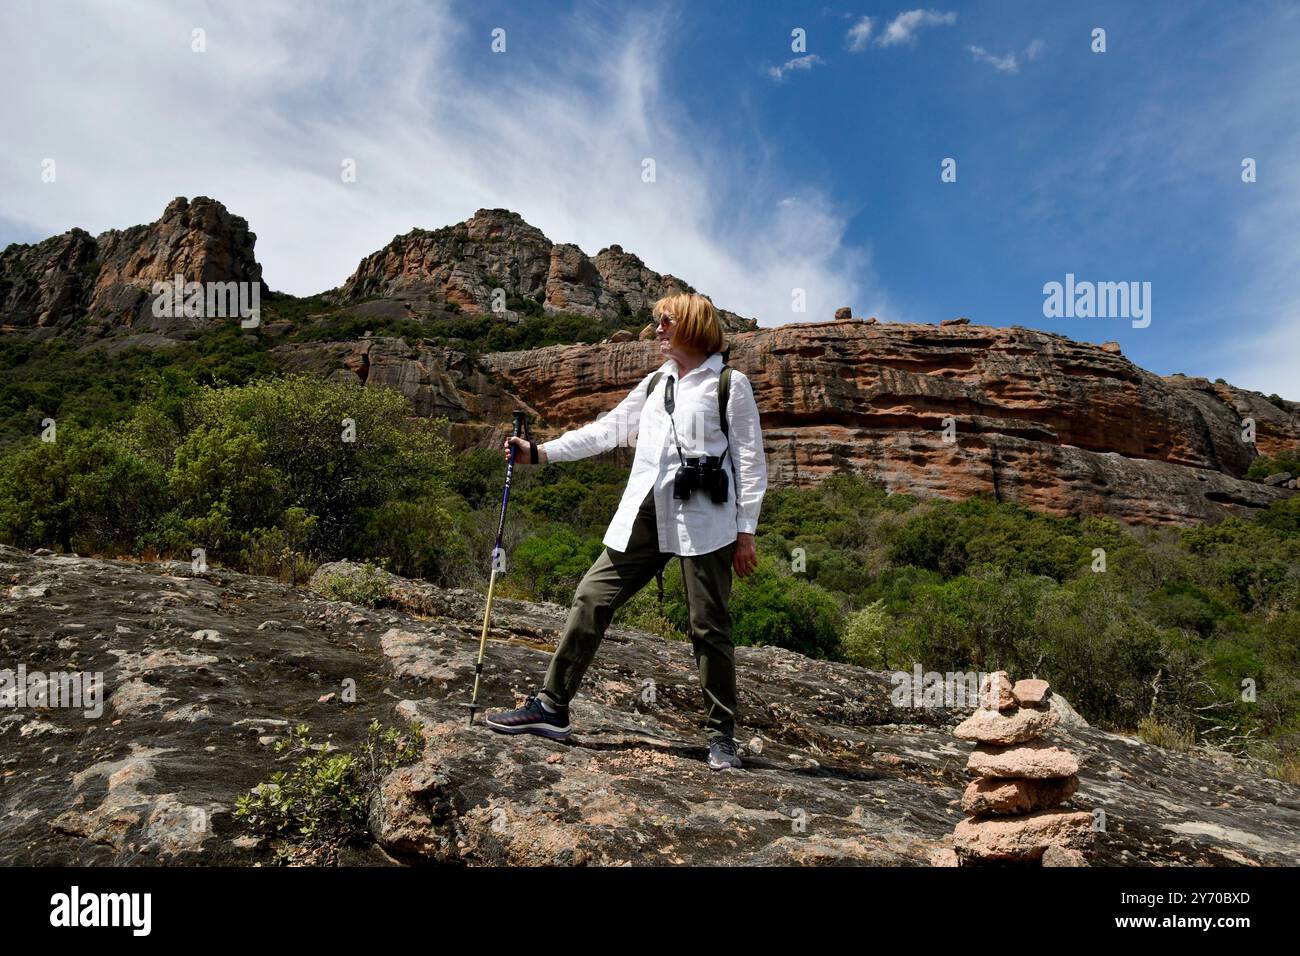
1003,64
437,124
904,27
859,34
1009,62
798,63
901,30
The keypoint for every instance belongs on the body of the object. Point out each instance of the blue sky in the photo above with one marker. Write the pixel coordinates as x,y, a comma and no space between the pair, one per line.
821,174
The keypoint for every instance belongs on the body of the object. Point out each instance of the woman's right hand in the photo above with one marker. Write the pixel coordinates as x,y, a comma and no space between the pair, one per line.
523,455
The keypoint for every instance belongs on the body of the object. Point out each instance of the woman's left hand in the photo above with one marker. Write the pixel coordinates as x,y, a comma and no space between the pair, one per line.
744,559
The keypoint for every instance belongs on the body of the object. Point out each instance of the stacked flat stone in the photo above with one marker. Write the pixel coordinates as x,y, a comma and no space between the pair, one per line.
1014,804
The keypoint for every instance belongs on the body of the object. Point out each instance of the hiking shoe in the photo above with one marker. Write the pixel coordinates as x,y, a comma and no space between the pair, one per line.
532,718
722,753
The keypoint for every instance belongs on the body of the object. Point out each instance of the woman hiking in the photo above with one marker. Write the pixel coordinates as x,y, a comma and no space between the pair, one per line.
695,491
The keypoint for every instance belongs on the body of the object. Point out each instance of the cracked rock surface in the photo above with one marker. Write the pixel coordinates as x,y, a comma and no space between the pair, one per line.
202,673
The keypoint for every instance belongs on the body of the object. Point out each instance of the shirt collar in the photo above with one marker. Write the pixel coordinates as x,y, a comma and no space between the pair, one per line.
714,362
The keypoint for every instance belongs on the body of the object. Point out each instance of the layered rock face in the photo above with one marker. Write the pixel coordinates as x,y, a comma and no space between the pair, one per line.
961,410
440,382
495,248
951,411
109,279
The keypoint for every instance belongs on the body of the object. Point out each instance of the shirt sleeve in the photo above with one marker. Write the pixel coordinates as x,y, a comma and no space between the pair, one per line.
616,429
748,460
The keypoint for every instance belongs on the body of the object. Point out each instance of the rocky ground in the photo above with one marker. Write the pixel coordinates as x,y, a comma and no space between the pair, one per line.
204,672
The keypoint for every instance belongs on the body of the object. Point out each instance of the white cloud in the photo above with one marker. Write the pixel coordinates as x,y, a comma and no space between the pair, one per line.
1262,352
1009,63
1255,311
1003,64
437,124
859,34
798,63
904,27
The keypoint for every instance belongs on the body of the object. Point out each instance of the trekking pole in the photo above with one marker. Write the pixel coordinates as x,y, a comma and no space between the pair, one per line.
519,428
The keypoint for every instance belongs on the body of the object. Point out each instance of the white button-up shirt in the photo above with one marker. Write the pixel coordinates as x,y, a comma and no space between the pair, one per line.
695,526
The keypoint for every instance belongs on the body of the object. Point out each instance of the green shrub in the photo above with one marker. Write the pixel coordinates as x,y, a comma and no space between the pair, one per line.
644,612
225,486
864,637
321,804
280,551
1263,466
980,622
84,492
367,585
416,539
335,471
551,563
1163,735
774,607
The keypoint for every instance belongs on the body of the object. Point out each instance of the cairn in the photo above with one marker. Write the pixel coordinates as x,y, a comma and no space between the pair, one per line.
1013,807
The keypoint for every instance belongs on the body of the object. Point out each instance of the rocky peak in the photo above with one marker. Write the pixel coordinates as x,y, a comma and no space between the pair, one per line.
110,279
47,284
459,266
503,225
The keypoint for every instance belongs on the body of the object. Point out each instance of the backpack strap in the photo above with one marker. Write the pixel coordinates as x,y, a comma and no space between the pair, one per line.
724,394
659,574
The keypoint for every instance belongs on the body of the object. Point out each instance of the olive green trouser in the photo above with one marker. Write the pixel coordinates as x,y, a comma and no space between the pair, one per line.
615,578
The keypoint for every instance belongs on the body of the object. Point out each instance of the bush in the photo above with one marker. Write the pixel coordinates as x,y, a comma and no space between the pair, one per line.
367,585
1103,655
864,637
415,539
949,537
321,805
773,607
340,450
225,486
1163,735
981,622
84,492
551,564
644,612
280,551
1263,466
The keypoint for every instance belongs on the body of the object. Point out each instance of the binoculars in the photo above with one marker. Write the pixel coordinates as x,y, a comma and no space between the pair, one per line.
701,474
